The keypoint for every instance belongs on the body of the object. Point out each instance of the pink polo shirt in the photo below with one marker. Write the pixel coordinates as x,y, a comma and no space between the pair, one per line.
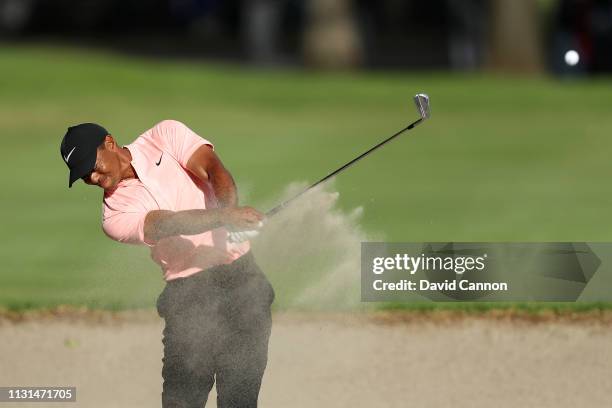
160,157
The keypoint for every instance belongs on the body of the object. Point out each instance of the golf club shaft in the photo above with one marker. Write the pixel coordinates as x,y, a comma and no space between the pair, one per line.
344,167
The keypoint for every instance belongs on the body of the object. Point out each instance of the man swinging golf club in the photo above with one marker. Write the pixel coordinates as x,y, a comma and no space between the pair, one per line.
169,190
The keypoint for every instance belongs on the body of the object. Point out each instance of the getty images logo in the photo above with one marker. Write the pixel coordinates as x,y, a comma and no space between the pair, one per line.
413,264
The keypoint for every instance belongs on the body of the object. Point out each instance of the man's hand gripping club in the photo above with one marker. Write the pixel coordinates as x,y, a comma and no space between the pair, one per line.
244,224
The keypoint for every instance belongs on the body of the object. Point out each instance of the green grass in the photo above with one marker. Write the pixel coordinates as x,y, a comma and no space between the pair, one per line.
503,159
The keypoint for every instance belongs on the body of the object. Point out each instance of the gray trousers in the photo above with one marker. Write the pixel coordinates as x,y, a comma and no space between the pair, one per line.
217,326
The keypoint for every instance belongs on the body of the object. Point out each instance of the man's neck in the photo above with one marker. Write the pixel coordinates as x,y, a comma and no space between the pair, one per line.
127,171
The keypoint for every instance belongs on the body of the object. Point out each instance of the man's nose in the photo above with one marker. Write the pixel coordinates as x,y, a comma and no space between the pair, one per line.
95,177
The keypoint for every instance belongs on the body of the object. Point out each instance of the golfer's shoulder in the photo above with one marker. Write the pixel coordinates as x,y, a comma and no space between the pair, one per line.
169,126
167,132
175,137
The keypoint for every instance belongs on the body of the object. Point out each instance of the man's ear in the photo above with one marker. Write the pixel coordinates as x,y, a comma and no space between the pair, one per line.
109,143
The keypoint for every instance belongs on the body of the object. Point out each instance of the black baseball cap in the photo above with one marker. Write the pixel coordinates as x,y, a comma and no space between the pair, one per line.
78,149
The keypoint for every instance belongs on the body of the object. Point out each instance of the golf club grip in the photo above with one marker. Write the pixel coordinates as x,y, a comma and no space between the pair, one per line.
340,169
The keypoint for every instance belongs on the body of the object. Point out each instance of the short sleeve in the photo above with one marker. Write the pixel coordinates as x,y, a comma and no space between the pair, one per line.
178,140
126,227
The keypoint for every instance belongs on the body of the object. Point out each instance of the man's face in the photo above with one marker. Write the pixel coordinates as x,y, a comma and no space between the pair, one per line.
107,171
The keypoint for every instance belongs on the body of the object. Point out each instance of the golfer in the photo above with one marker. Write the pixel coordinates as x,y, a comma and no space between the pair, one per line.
169,190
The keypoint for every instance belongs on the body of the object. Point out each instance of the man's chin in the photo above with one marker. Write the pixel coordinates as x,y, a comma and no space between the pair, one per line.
109,186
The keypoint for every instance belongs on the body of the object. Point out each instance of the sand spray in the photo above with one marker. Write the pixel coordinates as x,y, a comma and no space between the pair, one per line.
311,251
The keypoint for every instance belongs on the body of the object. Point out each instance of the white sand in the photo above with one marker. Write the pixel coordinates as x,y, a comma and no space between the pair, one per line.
333,362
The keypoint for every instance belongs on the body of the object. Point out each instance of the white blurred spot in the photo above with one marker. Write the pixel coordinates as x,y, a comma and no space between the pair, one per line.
572,57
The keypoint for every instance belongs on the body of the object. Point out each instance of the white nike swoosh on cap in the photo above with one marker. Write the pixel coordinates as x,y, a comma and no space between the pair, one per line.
67,157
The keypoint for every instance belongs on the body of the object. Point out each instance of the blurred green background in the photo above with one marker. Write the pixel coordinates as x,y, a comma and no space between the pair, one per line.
504,158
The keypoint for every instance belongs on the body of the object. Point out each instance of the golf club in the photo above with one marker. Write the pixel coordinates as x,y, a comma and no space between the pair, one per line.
422,103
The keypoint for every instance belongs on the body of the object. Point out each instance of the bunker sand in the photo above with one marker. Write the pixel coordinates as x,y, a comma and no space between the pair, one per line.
332,360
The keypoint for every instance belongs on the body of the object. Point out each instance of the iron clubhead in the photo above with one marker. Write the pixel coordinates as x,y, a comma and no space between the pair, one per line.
422,103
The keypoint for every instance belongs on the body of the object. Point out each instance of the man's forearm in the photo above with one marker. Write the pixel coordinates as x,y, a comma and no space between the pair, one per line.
162,223
224,188
206,166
